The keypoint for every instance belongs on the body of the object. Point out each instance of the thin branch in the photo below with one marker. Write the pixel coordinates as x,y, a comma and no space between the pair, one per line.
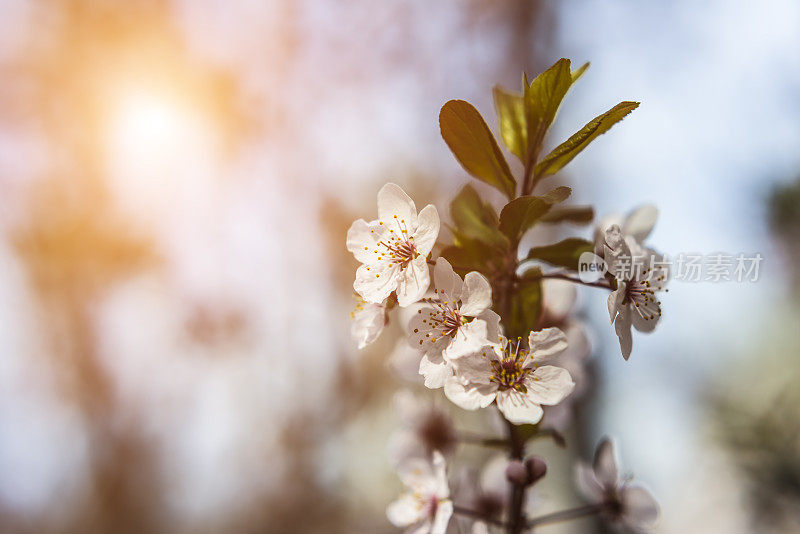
565,515
479,439
477,515
568,278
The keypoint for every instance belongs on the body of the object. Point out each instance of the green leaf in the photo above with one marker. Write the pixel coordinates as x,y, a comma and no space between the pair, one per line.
542,99
563,153
521,213
474,146
525,309
573,214
473,219
563,254
472,255
511,118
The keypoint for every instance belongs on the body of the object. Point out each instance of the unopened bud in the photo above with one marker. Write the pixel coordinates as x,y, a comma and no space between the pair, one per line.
517,473
536,469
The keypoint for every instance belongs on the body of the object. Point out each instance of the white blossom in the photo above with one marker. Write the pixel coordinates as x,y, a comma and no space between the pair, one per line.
519,380
393,249
639,273
455,322
629,505
426,507
369,319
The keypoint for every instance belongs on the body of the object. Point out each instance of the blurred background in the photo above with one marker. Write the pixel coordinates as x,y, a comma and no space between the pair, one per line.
176,181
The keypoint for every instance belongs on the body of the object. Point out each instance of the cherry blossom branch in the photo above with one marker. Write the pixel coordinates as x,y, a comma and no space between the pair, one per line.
477,515
568,278
565,515
517,494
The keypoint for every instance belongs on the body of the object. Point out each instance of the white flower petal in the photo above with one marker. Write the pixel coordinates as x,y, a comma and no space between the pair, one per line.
417,474
549,385
476,367
444,511
376,282
492,320
469,338
615,300
413,282
587,483
639,508
404,511
546,344
441,489
640,222
362,238
427,230
424,336
477,295
448,283
368,322
469,398
606,466
518,407
435,373
622,326
394,205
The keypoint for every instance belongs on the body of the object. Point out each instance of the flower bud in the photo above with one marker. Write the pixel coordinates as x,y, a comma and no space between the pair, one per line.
517,473
536,469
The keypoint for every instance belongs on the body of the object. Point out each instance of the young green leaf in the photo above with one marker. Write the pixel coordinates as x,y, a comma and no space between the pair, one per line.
521,213
573,214
563,153
563,254
542,99
511,118
474,146
473,219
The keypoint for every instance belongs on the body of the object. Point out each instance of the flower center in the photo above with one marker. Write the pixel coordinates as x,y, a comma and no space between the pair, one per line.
641,293
399,247
444,319
510,372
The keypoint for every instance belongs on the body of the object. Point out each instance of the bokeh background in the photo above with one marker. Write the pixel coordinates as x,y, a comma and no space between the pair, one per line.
176,181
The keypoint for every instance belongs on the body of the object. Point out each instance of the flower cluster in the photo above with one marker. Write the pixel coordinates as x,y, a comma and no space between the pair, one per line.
496,332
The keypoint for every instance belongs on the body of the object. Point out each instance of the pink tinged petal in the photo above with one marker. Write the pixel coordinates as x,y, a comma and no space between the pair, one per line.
639,224
468,398
423,528
477,295
404,511
376,282
622,326
423,336
448,283
394,205
518,407
435,373
427,230
444,511
469,338
546,344
615,301
639,508
362,240
606,465
413,282
588,484
549,385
